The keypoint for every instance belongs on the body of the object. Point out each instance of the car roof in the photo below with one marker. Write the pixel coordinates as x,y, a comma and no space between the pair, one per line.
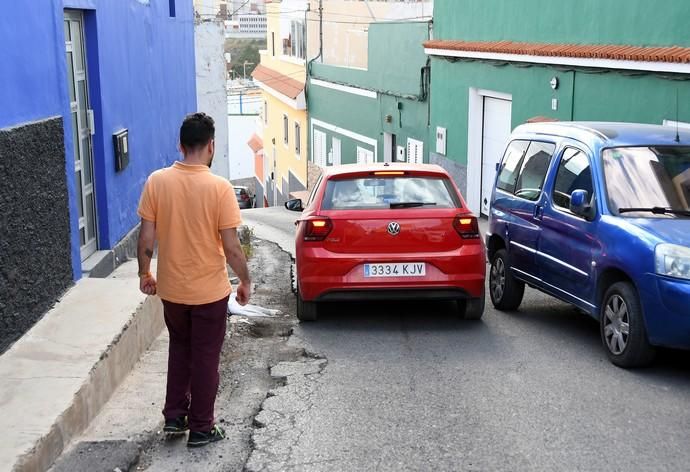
353,169
600,134
239,187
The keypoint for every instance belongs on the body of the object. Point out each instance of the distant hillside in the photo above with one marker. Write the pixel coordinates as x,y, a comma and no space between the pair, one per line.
242,50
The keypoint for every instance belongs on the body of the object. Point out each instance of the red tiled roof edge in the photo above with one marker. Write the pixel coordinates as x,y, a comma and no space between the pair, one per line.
279,82
671,54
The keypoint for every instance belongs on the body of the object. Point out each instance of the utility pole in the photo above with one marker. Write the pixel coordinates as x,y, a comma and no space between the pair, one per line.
321,30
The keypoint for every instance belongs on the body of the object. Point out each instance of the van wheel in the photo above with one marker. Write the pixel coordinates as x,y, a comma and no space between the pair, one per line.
622,327
306,311
472,308
505,290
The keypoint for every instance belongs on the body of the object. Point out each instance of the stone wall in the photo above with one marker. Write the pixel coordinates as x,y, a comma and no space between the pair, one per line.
35,252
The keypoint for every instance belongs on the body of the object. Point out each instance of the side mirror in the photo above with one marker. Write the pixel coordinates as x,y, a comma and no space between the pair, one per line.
579,204
294,205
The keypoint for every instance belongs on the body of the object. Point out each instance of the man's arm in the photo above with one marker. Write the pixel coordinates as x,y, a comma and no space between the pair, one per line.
147,238
238,263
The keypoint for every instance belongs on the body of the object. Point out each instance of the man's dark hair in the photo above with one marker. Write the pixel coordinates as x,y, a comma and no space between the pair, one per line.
196,131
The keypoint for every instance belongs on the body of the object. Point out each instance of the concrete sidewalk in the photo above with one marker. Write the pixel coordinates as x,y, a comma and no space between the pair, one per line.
56,378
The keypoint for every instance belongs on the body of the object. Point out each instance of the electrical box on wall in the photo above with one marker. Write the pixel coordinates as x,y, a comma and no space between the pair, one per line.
441,140
121,146
400,154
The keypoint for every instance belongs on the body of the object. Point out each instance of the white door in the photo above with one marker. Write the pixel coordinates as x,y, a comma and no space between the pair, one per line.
82,128
336,151
495,133
319,148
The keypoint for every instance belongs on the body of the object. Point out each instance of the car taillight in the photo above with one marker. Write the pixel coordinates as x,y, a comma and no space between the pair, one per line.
467,227
317,229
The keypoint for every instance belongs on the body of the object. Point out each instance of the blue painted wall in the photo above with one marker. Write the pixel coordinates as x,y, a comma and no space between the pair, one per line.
29,89
141,77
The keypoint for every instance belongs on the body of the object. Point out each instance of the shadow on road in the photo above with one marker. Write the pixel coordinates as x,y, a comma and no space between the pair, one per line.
386,316
541,321
559,320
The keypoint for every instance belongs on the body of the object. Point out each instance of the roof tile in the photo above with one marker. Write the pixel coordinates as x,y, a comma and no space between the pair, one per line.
672,54
279,82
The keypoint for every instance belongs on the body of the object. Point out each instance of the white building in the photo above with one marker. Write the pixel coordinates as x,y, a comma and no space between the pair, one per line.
248,26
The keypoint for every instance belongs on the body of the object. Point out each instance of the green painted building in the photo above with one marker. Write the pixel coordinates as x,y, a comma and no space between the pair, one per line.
497,64
380,114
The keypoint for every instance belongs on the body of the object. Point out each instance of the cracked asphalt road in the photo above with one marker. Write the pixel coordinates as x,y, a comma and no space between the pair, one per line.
411,387
391,387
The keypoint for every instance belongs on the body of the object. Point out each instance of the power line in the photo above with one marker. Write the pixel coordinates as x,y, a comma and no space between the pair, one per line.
327,13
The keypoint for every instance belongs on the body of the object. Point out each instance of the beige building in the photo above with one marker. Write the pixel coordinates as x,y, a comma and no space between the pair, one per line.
294,32
346,26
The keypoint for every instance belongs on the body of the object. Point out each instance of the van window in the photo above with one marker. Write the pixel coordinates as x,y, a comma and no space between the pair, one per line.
533,170
507,174
573,174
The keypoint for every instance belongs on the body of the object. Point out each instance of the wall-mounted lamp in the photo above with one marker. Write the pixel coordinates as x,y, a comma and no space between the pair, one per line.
554,83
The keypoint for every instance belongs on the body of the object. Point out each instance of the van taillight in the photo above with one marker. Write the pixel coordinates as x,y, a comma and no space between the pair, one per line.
317,229
467,227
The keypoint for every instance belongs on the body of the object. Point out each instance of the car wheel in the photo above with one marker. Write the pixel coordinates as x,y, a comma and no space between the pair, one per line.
622,327
505,290
306,311
473,308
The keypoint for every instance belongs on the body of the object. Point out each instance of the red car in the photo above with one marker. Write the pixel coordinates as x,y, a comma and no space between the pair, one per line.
387,232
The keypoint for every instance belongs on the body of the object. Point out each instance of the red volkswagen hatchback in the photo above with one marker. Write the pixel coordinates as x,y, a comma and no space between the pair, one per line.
387,232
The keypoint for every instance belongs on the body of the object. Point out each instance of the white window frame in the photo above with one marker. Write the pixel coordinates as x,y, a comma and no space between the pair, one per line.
319,156
365,156
295,47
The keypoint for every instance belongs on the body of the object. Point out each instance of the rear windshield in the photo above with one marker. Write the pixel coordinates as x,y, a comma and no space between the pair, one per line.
374,193
239,191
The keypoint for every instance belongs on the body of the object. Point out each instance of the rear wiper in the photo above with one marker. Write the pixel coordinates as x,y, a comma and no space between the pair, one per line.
656,211
409,204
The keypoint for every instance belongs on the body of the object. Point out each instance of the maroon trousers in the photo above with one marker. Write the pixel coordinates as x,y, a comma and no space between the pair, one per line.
196,338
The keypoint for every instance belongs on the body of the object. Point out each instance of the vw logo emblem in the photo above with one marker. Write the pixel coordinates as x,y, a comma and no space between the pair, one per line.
393,228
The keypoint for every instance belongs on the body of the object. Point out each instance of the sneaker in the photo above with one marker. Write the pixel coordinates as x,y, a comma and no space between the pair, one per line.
176,425
198,438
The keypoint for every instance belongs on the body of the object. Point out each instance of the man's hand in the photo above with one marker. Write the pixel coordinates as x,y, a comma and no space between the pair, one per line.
147,284
238,262
147,237
243,293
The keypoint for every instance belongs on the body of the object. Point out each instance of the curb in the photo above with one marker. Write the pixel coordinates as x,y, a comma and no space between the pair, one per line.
115,363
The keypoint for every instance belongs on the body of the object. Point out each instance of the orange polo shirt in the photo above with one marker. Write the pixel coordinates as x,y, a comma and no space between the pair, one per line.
189,206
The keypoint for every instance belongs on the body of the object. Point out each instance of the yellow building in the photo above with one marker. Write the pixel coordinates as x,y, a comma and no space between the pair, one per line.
281,76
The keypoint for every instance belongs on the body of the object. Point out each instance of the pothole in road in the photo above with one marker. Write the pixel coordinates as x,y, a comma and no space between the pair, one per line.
270,330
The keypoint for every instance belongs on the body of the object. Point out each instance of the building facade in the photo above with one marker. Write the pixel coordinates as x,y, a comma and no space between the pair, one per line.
211,83
498,64
377,114
281,77
87,113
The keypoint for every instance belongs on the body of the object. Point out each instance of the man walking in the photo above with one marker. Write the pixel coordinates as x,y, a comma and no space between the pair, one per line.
194,215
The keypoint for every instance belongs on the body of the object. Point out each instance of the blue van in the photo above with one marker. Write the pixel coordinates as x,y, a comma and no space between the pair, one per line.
598,215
